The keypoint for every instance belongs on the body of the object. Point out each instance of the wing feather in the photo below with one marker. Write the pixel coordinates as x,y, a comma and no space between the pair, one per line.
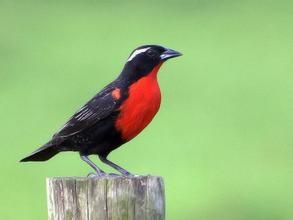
98,108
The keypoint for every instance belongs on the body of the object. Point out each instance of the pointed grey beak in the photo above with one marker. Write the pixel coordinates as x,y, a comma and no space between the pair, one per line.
169,53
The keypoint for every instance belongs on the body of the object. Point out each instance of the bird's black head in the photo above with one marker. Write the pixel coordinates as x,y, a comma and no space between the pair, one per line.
143,59
151,55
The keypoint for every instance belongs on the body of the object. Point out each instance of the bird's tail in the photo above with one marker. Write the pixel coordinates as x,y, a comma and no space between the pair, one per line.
43,153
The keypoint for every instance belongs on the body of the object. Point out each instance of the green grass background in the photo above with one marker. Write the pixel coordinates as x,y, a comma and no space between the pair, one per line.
223,137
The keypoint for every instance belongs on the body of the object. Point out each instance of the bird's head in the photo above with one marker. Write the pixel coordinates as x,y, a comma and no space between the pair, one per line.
145,58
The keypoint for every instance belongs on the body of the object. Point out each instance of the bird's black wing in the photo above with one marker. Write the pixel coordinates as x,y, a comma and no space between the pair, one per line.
98,108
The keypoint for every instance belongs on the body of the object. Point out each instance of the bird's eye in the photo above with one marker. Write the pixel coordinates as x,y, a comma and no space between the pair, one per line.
151,53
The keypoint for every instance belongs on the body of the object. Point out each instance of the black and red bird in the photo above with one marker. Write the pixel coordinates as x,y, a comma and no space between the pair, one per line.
116,114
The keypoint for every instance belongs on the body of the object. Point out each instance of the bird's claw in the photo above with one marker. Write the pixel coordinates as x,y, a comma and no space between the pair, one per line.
103,174
128,174
96,174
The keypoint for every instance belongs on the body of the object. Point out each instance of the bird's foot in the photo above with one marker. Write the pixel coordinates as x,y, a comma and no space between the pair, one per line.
126,174
103,174
98,173
113,174
92,174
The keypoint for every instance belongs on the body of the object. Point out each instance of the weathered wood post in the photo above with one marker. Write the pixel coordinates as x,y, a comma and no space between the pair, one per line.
106,198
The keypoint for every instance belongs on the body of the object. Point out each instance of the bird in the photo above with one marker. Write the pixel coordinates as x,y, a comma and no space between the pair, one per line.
115,115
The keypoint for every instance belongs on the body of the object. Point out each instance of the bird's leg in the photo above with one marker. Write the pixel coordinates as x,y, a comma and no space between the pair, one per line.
115,166
94,166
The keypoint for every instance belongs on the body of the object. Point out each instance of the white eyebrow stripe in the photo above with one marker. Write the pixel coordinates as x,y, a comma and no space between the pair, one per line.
136,52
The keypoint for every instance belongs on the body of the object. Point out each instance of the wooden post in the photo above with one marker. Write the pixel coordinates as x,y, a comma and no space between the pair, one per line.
106,198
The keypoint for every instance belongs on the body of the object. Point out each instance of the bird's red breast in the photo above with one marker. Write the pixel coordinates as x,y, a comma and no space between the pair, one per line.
141,106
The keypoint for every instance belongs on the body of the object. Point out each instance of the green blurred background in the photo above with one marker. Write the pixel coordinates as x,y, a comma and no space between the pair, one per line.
223,137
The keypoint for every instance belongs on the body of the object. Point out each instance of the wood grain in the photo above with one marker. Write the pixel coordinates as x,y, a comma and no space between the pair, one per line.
106,198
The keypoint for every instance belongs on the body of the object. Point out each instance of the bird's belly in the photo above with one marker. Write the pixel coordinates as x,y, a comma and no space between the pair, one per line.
139,108
100,138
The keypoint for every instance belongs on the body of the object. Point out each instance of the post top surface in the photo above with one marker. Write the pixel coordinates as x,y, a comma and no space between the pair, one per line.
135,177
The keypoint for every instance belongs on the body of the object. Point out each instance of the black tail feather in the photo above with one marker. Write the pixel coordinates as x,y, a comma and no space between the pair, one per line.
43,153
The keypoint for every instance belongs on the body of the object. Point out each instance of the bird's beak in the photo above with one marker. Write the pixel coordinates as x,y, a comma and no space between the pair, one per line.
169,53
